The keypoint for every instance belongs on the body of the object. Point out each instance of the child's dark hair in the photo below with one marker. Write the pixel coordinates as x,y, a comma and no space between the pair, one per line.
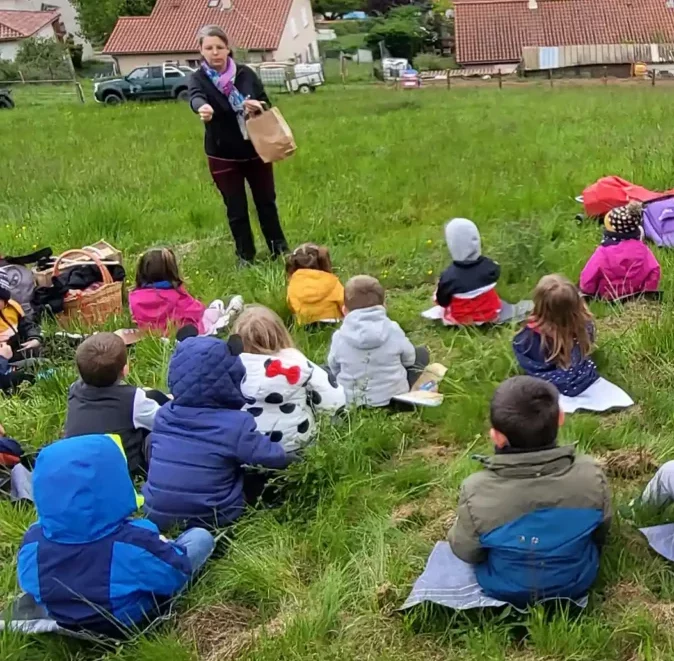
101,359
158,265
526,411
309,256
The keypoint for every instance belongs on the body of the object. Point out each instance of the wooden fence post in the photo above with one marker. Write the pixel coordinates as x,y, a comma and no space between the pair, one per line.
550,77
449,80
653,77
500,79
80,91
605,75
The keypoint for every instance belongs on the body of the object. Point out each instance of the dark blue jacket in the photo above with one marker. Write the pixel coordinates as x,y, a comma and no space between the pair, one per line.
84,560
201,440
530,353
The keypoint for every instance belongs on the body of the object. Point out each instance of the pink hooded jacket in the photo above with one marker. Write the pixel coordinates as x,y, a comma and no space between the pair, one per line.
622,269
158,308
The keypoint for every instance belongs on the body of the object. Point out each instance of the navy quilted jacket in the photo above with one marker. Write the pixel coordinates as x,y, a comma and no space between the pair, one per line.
201,440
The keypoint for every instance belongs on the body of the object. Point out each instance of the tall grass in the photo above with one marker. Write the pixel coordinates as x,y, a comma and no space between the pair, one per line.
376,175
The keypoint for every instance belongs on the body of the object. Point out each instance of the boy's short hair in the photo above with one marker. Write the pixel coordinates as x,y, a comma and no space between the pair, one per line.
101,359
526,411
363,291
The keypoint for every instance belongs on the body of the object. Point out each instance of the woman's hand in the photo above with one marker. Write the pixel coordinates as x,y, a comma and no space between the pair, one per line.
31,344
206,113
252,106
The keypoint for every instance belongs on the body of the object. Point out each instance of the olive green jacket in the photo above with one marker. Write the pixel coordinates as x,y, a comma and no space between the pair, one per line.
517,483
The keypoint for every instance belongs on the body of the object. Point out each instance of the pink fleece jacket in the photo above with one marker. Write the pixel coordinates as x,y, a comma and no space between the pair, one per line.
157,309
613,271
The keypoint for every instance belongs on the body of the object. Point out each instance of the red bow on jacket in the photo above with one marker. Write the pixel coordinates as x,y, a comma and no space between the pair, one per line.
275,368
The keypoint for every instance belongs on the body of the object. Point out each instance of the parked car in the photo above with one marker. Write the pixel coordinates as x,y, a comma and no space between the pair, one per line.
302,78
6,100
157,82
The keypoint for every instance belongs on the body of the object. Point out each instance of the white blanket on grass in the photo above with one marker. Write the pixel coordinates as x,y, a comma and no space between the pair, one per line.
601,396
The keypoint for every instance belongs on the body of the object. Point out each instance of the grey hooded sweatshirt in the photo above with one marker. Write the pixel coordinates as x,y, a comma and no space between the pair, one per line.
369,356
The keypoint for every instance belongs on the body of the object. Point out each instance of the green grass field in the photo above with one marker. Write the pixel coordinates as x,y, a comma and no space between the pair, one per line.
376,175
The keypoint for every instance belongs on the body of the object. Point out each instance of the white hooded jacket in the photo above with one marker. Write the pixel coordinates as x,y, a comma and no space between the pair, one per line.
369,356
286,388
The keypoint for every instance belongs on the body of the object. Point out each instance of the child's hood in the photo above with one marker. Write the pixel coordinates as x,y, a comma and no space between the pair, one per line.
463,240
82,489
313,286
263,372
367,328
205,373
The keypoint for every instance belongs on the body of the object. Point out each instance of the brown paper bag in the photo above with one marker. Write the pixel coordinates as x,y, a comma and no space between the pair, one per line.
271,136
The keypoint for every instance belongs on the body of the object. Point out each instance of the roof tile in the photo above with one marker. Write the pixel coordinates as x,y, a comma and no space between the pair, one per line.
173,25
496,30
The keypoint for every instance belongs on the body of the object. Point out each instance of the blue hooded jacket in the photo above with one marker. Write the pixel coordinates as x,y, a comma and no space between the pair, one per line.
201,440
529,350
84,560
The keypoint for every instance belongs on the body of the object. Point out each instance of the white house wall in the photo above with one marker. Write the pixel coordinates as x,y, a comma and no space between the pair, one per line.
299,35
68,17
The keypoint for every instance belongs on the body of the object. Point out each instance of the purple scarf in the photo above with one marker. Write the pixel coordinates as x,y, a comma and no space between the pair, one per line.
224,82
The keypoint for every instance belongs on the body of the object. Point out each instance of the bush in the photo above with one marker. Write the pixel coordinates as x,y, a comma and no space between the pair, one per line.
9,70
342,28
431,62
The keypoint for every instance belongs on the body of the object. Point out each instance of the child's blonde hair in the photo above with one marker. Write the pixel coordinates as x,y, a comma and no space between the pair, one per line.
262,331
309,256
562,319
158,265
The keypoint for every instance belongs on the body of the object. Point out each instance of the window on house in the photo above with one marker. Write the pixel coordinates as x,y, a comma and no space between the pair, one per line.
305,17
213,3
46,7
293,27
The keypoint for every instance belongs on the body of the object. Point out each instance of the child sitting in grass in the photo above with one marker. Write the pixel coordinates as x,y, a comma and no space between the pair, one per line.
86,561
533,522
623,265
20,343
370,355
282,387
315,294
556,343
202,439
99,402
467,288
160,300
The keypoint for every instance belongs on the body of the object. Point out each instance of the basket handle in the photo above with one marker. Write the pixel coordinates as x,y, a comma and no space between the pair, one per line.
105,273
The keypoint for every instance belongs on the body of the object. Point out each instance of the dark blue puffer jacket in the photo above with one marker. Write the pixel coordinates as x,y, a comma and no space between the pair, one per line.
201,439
530,353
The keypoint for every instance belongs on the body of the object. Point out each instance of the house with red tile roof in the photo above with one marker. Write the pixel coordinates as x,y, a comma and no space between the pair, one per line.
558,34
268,30
15,26
68,15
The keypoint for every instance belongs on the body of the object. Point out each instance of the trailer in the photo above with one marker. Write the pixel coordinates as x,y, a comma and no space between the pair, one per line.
302,78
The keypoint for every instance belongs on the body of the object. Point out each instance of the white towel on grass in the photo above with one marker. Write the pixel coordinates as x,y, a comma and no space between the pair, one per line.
601,396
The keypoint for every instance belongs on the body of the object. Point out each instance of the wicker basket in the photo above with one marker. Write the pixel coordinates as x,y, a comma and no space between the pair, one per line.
95,304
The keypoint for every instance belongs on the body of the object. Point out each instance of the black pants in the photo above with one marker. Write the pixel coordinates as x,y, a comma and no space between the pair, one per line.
231,178
421,362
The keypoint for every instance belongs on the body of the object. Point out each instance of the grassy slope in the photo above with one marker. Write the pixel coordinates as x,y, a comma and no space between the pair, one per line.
376,175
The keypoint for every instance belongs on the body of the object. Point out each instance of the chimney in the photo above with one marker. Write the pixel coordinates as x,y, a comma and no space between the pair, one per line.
533,4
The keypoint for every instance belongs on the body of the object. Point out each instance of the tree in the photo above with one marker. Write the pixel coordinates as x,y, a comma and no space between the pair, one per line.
97,18
401,31
333,9
39,59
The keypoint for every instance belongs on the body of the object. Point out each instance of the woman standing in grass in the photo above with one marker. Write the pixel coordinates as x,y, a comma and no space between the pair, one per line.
222,93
